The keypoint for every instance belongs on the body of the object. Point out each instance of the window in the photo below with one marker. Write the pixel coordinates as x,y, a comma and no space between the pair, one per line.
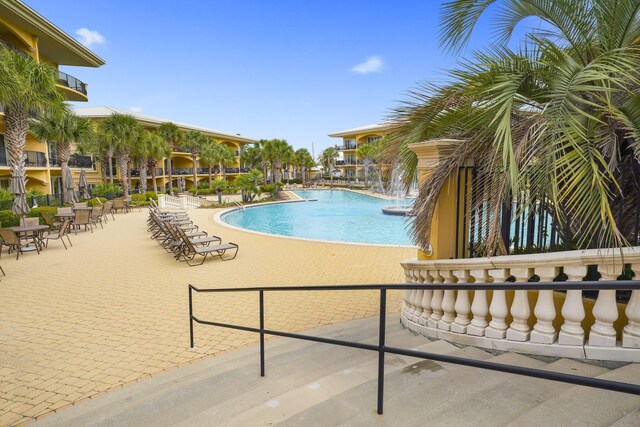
371,139
3,152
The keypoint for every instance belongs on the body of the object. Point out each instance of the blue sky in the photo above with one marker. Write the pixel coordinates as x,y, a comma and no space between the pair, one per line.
265,69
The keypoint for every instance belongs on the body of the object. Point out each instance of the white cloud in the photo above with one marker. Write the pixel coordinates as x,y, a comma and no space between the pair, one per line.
373,64
89,37
136,109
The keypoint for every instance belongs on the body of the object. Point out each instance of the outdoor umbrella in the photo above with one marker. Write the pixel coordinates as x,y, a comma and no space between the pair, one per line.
20,206
83,186
67,183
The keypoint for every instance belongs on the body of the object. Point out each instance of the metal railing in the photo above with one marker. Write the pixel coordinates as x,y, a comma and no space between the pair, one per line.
381,348
72,82
231,200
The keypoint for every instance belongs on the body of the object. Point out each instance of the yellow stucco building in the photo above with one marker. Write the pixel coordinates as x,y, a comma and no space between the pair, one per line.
182,164
24,30
350,166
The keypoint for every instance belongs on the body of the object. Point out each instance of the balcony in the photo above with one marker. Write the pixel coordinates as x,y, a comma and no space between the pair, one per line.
339,162
72,83
136,172
35,159
232,170
349,146
75,161
183,171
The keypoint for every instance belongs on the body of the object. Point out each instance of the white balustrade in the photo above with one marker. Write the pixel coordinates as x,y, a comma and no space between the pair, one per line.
480,306
487,320
498,309
520,311
462,306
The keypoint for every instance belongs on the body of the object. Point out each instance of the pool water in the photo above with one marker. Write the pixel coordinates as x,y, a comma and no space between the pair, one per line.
341,216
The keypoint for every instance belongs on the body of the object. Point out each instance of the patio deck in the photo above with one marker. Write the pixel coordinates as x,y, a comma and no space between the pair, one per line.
113,308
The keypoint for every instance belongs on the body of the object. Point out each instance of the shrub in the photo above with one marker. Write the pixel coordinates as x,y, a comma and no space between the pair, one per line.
102,190
93,202
35,212
34,192
151,195
202,185
5,195
138,198
9,219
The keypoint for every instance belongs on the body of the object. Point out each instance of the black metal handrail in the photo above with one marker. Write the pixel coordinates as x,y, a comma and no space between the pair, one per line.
382,348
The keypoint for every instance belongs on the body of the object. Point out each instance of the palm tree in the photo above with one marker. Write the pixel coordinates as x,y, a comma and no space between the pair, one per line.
251,156
277,152
209,156
328,159
25,86
367,153
555,120
140,157
193,143
226,157
122,132
174,137
305,161
157,149
61,126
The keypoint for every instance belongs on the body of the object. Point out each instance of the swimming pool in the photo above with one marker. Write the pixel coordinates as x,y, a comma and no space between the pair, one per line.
341,216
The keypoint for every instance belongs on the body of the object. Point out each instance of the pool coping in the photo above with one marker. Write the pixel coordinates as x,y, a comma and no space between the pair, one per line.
217,217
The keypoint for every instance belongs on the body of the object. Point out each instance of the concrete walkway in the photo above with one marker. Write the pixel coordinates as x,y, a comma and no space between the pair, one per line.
112,310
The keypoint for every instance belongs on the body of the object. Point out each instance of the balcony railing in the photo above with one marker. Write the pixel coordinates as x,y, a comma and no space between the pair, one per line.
75,161
35,159
349,146
72,82
232,170
183,171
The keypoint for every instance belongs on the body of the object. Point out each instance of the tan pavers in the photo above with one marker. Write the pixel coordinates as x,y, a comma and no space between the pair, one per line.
113,308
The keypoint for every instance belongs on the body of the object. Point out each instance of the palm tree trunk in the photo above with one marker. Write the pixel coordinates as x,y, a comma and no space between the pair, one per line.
143,177
103,166
194,157
264,173
16,123
123,161
170,175
110,156
152,166
366,175
210,180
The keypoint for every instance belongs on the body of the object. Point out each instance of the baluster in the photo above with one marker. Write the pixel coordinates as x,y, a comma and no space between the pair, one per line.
499,310
571,331
462,306
605,311
631,332
426,298
412,294
417,299
480,306
436,302
543,331
448,303
406,293
520,311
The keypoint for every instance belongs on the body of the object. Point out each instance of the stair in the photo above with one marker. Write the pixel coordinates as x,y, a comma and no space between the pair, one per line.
315,384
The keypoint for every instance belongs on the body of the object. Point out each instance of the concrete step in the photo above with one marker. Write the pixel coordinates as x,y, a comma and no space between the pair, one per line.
417,405
165,399
585,406
362,399
632,419
294,401
507,400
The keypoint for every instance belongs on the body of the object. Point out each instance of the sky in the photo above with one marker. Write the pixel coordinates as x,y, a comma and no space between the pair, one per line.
291,69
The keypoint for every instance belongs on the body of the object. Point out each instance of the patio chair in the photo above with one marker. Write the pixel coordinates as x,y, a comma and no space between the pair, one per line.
65,211
108,209
190,251
29,222
49,221
96,215
80,205
119,205
60,234
82,218
10,239
135,204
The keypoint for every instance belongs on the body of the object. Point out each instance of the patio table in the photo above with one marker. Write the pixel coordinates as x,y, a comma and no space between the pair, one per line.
36,230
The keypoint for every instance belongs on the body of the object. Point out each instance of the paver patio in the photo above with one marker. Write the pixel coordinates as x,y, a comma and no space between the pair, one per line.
113,308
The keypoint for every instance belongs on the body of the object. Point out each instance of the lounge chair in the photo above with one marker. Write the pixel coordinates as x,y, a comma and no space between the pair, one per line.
177,244
10,239
60,234
190,251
